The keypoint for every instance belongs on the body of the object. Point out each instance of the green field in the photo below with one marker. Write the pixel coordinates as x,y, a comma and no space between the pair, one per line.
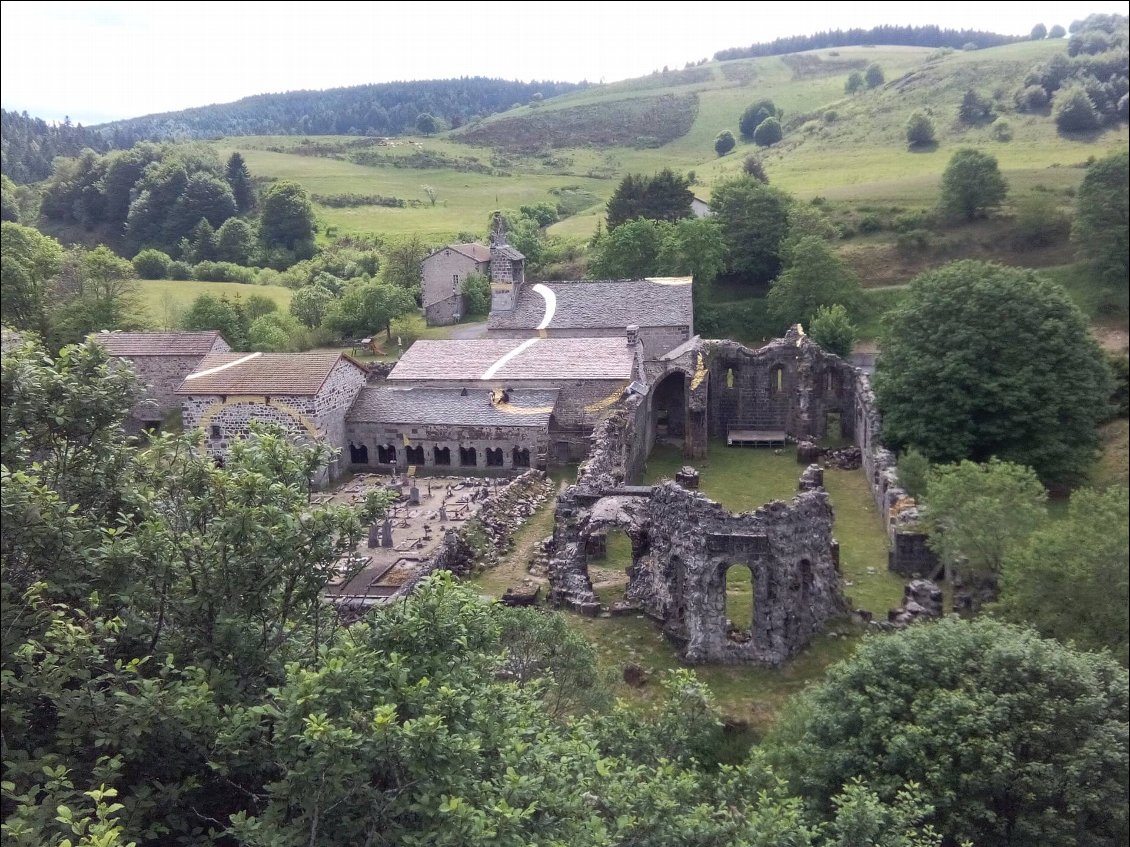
857,159
164,300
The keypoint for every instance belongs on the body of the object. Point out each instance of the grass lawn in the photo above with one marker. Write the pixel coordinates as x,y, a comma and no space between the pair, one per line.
166,299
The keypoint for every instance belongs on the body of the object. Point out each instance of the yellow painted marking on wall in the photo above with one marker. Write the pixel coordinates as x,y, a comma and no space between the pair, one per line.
699,372
261,400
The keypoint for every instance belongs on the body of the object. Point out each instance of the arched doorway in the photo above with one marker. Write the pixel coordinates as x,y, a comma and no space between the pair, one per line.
669,408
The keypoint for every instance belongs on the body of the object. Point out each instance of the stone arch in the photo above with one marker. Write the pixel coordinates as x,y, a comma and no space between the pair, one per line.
669,406
358,454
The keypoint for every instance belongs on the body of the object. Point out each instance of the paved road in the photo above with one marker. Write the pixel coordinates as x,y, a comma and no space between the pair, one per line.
464,332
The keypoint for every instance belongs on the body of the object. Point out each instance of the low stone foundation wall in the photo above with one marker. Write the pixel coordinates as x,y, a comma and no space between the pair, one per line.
487,535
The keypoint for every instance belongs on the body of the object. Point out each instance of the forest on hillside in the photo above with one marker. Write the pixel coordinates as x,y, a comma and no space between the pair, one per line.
392,108
909,36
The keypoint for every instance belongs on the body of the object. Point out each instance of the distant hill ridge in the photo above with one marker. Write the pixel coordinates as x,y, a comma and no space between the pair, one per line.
389,108
888,35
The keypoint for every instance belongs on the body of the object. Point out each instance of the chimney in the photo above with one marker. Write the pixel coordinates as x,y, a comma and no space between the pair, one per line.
633,332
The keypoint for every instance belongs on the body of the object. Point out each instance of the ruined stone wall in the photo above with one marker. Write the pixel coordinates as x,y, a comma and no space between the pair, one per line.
789,385
461,551
372,435
683,544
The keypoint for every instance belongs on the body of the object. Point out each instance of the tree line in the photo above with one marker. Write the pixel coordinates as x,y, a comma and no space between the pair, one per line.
29,145
909,36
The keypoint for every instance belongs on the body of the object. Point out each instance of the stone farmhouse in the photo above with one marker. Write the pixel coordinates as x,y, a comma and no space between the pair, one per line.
307,394
161,361
444,272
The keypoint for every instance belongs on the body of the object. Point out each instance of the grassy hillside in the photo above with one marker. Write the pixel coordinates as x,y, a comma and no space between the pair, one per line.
585,141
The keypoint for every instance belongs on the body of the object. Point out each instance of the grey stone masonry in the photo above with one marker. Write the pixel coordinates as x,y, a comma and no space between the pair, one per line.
225,418
682,547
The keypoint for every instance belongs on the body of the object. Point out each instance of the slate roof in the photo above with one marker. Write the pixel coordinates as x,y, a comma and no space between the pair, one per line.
508,252
450,406
660,301
157,343
531,358
472,250
262,373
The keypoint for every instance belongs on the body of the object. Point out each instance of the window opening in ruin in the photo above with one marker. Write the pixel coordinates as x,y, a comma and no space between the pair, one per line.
830,383
740,585
358,454
778,379
414,455
833,432
494,457
520,458
217,432
468,457
386,455
612,553
729,378
441,455
806,582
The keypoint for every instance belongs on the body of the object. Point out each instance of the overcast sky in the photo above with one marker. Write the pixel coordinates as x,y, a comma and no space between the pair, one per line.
100,61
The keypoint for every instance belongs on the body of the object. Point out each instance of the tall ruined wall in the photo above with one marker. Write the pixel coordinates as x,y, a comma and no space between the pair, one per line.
789,385
683,544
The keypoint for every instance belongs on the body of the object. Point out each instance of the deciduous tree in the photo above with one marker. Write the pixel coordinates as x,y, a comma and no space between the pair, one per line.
971,185
1068,579
367,308
981,360
1015,739
1101,230
813,277
754,220
831,327
724,142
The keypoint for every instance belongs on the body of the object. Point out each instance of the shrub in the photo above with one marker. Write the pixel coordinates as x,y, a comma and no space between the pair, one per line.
1073,110
223,272
180,270
1001,130
1032,98
919,130
914,472
151,264
873,75
768,133
833,329
724,142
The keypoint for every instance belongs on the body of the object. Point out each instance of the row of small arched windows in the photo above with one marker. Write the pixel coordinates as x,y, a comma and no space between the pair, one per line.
441,456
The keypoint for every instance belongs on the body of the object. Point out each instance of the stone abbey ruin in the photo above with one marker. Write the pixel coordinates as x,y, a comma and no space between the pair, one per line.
599,371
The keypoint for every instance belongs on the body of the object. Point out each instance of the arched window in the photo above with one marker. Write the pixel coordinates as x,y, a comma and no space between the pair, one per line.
777,380
386,454
468,457
441,456
729,377
520,458
358,454
494,457
414,455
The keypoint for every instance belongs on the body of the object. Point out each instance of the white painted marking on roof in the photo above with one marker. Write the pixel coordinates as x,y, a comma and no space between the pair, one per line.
501,363
219,368
670,280
550,304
